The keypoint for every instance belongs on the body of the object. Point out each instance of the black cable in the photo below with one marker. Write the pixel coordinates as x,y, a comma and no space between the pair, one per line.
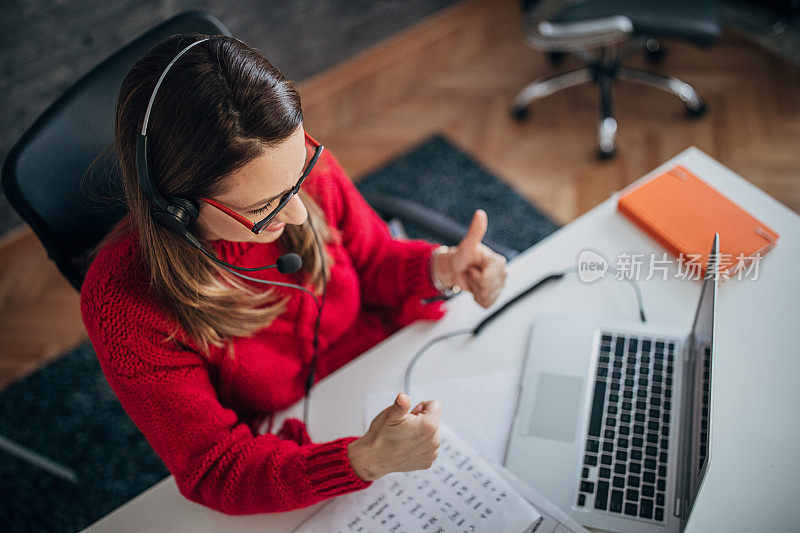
279,283
485,322
477,329
315,345
410,367
497,312
319,303
229,266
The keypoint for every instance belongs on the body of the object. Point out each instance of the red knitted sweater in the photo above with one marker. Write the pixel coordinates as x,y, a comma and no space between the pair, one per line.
200,415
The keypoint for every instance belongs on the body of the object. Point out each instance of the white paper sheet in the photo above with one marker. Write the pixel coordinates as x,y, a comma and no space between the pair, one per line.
459,492
478,409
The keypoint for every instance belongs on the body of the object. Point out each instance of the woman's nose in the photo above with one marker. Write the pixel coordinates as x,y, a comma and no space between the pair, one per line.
294,213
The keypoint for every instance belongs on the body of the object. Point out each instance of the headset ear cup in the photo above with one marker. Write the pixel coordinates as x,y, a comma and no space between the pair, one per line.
180,214
189,206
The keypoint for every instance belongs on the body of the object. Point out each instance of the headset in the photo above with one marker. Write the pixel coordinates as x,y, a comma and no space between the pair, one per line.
177,214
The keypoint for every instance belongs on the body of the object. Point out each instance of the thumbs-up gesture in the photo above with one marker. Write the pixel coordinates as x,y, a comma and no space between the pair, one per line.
397,440
472,265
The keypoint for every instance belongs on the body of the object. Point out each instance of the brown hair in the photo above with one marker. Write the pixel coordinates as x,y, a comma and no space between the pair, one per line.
218,108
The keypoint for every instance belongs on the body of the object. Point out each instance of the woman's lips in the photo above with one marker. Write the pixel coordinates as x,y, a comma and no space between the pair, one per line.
275,227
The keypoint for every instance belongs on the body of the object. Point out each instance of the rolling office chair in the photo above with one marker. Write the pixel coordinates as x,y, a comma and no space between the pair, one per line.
603,33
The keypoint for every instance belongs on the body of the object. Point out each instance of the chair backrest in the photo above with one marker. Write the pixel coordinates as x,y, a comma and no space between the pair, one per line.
43,175
544,32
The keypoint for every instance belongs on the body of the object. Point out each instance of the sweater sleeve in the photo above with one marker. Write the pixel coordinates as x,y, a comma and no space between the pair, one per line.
216,459
394,274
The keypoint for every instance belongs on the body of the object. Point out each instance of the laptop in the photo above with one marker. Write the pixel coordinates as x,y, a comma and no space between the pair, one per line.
613,421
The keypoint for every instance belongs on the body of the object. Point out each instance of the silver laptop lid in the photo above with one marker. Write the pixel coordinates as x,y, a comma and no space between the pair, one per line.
697,382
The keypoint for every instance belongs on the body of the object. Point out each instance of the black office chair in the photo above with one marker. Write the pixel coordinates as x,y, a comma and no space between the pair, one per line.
604,32
42,175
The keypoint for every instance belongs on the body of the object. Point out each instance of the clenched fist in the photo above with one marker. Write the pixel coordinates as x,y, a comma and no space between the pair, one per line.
397,440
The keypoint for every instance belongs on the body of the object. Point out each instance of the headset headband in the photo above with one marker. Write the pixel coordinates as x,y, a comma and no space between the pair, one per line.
146,182
160,79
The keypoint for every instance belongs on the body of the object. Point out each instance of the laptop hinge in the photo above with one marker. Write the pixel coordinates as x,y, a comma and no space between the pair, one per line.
687,348
676,509
684,453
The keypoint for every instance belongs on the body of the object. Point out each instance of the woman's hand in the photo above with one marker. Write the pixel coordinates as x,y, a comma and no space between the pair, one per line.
472,265
397,441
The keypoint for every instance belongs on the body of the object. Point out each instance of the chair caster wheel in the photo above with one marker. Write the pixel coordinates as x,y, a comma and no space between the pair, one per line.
606,138
606,154
520,114
696,112
556,58
655,53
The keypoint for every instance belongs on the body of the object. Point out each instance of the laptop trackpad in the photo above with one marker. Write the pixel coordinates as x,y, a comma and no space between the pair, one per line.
555,413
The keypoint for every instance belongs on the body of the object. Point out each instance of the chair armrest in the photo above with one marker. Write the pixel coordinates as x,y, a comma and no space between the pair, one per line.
442,227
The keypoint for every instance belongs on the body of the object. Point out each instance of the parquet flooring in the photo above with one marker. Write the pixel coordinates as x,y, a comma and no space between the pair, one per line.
456,73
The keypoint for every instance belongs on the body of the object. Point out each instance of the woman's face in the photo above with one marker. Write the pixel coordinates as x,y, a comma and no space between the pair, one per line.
267,177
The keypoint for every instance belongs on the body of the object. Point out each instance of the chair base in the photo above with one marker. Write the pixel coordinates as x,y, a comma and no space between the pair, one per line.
604,70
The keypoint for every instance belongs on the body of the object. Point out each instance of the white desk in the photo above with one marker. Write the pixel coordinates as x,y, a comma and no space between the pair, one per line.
753,479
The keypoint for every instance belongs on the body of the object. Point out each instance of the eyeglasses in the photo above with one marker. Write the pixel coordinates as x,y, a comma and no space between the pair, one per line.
258,227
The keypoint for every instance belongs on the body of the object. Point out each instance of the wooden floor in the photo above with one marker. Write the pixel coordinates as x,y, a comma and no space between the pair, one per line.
456,73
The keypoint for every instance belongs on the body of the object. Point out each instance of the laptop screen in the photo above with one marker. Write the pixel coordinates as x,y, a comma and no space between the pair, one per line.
701,351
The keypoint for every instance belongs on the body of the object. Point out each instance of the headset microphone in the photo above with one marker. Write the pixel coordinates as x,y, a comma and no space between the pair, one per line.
286,264
289,263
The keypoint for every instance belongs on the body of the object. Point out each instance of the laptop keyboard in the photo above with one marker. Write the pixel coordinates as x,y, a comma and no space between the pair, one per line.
625,462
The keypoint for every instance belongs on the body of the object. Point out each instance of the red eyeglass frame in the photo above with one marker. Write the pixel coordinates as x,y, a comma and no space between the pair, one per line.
258,227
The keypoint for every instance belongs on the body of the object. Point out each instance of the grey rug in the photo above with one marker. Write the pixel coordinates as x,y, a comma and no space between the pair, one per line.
67,412
440,176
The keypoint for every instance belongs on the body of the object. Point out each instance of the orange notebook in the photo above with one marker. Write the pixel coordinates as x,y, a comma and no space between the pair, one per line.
683,212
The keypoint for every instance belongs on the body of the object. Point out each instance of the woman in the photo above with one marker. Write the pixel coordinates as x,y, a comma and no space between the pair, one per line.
198,357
